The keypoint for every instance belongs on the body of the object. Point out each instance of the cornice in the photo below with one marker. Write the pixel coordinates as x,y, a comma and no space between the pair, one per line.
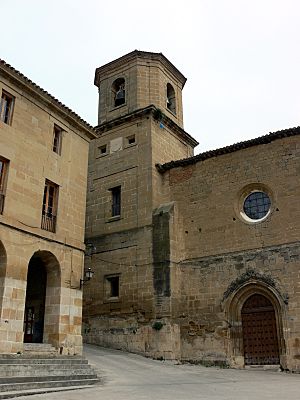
135,55
230,149
50,101
156,114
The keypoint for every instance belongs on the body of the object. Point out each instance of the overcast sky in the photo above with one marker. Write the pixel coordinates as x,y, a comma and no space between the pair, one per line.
241,58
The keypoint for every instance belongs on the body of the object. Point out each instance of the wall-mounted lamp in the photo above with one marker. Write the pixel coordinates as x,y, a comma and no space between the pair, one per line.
90,249
88,276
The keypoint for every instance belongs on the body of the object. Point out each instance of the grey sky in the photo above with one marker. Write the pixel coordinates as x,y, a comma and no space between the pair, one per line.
241,58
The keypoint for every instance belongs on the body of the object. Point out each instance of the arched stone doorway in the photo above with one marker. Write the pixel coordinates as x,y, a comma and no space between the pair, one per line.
259,331
2,259
3,262
253,340
41,316
35,301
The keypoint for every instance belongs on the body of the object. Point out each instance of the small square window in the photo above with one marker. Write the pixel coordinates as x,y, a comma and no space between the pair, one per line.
6,107
102,149
113,286
131,140
57,139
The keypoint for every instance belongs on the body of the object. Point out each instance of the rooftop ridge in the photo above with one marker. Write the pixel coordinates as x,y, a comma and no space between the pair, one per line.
142,54
5,66
265,139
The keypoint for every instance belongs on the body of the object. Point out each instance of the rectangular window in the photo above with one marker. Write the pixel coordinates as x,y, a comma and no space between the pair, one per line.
49,210
113,286
130,140
6,107
102,149
116,201
3,176
57,139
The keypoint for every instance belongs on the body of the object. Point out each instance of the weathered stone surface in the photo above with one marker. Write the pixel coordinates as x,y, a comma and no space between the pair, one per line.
186,256
26,143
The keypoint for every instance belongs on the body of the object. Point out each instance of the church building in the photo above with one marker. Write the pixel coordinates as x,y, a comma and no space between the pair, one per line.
195,258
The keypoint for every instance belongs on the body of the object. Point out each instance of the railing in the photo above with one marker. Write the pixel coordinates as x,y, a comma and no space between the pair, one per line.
48,222
2,197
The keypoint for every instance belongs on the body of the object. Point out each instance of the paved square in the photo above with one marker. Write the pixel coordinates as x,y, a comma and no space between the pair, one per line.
132,377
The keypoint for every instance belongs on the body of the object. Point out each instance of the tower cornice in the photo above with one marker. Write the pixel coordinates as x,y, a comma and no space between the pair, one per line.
156,114
135,55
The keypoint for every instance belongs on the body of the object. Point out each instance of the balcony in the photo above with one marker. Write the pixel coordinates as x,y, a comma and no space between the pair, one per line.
48,222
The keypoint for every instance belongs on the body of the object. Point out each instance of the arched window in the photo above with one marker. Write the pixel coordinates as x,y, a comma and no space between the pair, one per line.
118,89
171,101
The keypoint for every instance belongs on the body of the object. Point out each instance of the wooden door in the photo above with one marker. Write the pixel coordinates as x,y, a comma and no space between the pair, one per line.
259,331
28,324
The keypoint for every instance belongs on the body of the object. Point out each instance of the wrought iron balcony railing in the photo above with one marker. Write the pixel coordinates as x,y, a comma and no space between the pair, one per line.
48,222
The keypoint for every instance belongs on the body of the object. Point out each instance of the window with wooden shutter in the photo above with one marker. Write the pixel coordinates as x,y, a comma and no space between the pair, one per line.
6,107
3,177
49,211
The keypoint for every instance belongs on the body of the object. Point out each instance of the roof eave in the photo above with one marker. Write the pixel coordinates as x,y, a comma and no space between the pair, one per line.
265,139
47,98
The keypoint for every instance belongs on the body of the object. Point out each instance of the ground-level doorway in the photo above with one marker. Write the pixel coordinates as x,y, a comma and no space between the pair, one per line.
35,301
260,337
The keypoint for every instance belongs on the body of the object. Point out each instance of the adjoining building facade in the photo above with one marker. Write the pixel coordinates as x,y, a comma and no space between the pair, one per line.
195,259
43,175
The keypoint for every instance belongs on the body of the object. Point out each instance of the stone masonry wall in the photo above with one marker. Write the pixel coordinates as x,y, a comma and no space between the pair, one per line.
220,246
123,245
27,144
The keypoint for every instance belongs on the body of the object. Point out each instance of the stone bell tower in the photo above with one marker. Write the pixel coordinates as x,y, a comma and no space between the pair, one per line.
138,80
140,124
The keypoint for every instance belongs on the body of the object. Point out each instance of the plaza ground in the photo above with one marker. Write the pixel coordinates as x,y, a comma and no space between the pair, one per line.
128,376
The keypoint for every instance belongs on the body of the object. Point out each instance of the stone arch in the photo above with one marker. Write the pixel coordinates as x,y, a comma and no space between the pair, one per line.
3,263
44,325
233,310
3,260
118,90
171,98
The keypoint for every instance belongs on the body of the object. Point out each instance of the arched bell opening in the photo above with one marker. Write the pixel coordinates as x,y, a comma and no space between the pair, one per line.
256,318
41,316
171,98
118,89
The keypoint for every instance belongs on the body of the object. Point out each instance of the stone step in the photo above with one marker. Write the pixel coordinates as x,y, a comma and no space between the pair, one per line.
271,367
29,372
48,384
52,370
39,348
50,356
28,392
42,360
29,346
46,378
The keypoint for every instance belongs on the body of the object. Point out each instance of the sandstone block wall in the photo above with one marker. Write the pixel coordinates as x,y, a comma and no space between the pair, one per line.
146,78
223,253
123,245
27,144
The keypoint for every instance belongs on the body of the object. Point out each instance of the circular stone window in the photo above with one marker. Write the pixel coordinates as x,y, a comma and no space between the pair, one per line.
256,206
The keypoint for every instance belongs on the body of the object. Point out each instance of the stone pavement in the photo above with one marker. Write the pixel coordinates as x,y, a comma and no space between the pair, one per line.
131,377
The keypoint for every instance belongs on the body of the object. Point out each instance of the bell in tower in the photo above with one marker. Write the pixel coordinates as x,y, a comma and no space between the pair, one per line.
136,81
119,90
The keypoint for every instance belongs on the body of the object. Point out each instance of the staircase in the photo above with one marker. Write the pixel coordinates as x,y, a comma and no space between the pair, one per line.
40,369
39,348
